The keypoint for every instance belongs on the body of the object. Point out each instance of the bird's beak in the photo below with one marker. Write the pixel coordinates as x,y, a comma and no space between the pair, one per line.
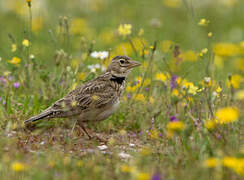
134,64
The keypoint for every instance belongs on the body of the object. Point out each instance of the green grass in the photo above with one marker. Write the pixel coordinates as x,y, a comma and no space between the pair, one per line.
63,35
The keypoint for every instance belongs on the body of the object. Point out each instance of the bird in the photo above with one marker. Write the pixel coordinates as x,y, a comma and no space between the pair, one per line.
95,100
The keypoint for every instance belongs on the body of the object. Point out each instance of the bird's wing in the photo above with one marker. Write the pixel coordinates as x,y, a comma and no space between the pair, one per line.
91,95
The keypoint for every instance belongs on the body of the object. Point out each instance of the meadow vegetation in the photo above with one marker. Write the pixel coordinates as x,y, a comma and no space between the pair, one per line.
181,116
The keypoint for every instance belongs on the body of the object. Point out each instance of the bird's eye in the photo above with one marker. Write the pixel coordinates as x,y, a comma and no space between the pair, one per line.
122,61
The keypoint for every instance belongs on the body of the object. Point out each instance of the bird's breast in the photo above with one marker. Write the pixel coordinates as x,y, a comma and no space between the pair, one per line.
109,110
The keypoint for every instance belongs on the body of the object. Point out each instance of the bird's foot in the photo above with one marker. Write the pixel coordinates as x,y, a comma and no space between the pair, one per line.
95,136
101,139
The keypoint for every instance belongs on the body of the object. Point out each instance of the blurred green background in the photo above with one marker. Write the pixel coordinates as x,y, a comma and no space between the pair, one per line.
45,52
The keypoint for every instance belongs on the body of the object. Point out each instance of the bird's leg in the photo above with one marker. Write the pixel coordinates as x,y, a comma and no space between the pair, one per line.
92,136
84,129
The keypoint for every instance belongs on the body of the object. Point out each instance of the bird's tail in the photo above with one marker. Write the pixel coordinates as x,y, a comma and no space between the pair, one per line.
42,115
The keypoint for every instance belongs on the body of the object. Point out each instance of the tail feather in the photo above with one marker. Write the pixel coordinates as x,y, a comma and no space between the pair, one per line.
42,115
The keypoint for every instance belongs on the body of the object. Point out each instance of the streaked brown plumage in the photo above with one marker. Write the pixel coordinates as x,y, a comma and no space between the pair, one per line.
95,100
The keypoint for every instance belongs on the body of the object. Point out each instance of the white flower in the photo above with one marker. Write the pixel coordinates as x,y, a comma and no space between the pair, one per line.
94,67
42,143
124,155
207,79
215,93
32,56
132,145
102,147
99,54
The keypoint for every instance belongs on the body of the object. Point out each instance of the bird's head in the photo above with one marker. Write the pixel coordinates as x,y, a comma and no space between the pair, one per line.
121,66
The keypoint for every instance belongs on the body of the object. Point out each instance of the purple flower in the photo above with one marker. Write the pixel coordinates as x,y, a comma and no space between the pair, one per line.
134,135
3,80
173,119
10,78
141,132
137,82
147,89
156,176
128,96
16,84
173,83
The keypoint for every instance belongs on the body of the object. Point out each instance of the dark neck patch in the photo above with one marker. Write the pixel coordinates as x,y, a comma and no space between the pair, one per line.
119,80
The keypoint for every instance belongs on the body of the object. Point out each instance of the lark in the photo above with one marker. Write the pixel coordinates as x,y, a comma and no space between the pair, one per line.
96,99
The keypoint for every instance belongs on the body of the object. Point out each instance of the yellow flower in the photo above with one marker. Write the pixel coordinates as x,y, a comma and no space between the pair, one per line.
211,162
140,97
14,47
219,89
225,49
203,51
203,22
26,43
131,88
172,3
210,34
229,162
227,115
143,176
175,126
240,95
124,29
146,82
239,64
237,164
175,92
209,124
161,77
234,81
169,133
126,169
154,134
81,76
28,1
18,167
192,89
15,60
